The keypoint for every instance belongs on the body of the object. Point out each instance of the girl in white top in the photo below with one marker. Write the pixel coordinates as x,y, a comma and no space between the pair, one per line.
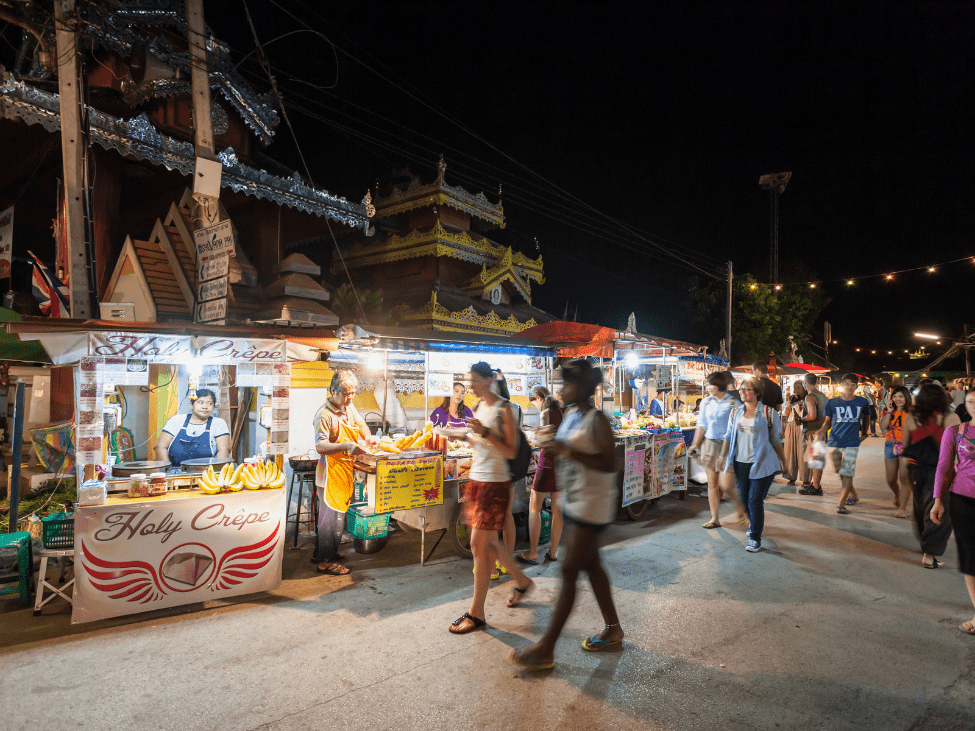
487,497
586,470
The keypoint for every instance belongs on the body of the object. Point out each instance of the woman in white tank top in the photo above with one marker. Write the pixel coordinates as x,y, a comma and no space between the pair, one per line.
586,470
487,497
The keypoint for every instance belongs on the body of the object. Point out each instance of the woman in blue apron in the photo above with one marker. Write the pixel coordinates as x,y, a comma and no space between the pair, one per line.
197,435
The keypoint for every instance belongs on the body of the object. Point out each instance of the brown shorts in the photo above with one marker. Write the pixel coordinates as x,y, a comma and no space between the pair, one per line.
711,455
486,504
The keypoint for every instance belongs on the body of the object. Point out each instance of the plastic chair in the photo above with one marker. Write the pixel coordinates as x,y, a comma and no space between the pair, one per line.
23,579
60,554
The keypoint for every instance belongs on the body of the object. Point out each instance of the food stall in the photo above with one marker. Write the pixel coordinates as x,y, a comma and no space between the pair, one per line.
149,534
416,475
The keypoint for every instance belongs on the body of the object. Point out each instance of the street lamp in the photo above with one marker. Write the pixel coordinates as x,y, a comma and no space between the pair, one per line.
927,335
775,183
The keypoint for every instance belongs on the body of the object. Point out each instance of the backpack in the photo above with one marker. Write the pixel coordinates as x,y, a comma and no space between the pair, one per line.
523,457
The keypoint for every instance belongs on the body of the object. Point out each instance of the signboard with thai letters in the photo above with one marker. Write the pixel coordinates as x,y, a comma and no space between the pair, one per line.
213,310
214,289
212,267
214,240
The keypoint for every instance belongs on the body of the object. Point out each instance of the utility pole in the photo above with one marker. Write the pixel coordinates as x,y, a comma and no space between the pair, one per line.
968,365
199,79
73,156
727,334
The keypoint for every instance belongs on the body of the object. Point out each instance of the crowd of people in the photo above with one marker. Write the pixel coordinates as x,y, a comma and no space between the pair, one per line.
745,436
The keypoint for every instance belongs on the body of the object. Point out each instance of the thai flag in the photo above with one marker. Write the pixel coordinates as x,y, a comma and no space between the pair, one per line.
48,290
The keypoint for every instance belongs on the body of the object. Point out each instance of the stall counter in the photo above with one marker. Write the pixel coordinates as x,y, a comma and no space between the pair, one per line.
138,555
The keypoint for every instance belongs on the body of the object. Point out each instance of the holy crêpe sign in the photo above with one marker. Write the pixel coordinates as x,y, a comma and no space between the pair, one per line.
136,556
183,348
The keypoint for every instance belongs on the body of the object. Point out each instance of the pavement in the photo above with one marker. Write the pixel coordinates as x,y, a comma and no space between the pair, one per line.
834,625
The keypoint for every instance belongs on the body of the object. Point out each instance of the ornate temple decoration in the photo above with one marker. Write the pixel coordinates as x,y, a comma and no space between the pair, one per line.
435,316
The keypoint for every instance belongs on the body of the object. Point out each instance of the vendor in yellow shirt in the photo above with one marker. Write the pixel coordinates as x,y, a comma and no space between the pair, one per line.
341,434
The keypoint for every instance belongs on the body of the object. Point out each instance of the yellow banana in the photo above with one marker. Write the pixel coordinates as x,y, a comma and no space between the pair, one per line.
237,472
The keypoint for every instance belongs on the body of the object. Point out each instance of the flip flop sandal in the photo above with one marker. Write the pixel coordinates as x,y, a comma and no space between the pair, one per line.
711,525
524,559
595,644
494,574
842,510
475,625
499,568
853,501
550,557
967,628
334,569
936,565
520,657
519,594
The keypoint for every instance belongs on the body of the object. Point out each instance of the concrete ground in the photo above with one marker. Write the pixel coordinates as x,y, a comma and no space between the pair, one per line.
834,625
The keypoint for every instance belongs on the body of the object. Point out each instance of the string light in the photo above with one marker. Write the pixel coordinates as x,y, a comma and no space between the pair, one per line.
778,286
930,269
858,350
890,276
874,352
850,282
753,286
812,285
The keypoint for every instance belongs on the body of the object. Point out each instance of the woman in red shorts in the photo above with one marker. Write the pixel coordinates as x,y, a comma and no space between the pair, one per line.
488,494
543,486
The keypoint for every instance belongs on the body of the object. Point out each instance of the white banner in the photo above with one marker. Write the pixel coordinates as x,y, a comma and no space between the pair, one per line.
233,350
214,240
6,241
183,348
139,555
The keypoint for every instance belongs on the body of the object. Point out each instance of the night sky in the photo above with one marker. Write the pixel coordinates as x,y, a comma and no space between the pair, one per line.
661,116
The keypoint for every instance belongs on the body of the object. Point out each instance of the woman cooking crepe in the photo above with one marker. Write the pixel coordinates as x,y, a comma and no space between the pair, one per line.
197,435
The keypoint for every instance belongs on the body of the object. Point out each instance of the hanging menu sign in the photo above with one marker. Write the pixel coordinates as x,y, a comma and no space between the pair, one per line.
89,417
280,407
404,484
634,464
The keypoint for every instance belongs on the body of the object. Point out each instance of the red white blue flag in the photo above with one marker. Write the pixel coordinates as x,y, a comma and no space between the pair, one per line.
49,291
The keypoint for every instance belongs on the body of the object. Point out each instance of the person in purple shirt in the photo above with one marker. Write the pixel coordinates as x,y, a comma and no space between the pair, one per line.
452,412
956,476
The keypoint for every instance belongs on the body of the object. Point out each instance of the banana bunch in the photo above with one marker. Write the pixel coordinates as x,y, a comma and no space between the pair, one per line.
228,479
261,475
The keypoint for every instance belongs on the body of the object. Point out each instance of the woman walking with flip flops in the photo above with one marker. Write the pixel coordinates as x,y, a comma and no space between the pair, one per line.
587,474
956,475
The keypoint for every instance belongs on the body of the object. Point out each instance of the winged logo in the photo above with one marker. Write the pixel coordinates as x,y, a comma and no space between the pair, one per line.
138,581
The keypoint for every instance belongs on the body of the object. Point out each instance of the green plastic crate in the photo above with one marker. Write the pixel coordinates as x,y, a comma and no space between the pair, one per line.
366,526
58,531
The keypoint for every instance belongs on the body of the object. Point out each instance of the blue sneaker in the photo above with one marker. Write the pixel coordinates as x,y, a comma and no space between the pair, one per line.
748,533
754,546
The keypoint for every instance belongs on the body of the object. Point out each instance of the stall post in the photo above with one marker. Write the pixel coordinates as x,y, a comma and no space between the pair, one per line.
16,448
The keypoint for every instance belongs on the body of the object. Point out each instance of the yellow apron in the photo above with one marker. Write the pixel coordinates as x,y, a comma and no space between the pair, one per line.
338,482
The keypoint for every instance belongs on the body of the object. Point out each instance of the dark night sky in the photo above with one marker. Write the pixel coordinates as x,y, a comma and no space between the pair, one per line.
661,115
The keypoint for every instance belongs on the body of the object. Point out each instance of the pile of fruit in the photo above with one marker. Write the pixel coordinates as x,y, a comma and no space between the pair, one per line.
421,439
253,476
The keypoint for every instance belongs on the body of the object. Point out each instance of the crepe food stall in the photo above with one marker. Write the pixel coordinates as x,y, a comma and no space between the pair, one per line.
416,476
150,534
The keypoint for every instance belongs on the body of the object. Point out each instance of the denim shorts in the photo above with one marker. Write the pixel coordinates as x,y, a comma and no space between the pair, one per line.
889,451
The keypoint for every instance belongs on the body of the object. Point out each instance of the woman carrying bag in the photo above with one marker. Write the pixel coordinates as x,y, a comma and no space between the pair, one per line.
754,445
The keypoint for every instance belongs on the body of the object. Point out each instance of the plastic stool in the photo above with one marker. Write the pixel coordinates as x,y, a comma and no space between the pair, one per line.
310,521
23,580
60,554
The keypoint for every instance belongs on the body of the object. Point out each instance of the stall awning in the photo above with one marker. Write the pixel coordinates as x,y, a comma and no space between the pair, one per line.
408,339
579,339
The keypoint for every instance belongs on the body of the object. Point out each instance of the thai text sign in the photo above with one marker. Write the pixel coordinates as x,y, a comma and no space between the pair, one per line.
214,240
212,267
211,290
403,484
139,555
213,310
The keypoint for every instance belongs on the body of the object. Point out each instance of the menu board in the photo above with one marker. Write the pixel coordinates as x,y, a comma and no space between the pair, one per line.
634,465
669,464
89,417
404,484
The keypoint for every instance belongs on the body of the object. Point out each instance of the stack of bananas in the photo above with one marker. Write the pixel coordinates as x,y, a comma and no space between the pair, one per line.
228,480
262,475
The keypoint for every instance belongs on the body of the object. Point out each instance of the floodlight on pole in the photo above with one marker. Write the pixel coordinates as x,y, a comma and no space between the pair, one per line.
929,336
774,183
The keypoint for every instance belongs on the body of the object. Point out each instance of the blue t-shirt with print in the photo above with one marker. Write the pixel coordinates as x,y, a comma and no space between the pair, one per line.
844,427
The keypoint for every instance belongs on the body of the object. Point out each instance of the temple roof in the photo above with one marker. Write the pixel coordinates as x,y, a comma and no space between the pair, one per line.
441,240
447,308
417,195
138,138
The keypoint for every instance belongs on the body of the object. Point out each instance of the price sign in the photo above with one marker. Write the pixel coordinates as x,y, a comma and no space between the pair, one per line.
403,484
213,310
214,289
634,469
214,266
213,240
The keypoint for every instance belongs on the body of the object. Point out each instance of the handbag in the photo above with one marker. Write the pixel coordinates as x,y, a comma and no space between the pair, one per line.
518,466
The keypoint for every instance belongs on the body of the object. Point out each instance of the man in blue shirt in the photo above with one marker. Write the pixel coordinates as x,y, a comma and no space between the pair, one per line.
847,421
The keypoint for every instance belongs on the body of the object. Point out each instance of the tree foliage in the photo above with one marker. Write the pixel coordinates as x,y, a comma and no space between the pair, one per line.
376,313
761,320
